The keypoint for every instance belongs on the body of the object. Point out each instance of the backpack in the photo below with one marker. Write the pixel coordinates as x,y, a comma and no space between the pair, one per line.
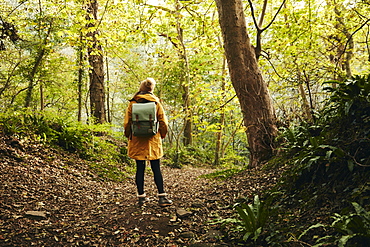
144,119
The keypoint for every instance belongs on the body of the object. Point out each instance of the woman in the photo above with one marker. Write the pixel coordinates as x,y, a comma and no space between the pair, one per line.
147,148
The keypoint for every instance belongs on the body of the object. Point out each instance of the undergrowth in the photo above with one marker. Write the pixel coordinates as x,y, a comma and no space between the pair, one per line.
224,173
107,156
327,165
199,156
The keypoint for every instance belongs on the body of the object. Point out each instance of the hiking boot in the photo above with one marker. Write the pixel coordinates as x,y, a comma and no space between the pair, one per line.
142,199
163,201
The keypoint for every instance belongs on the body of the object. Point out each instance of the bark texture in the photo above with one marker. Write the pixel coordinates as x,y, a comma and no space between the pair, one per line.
95,53
255,101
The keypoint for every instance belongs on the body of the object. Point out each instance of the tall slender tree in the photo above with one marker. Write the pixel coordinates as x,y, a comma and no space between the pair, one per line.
41,53
95,54
185,83
80,58
255,101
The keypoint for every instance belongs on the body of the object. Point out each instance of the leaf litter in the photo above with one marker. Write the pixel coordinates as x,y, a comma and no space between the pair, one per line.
50,198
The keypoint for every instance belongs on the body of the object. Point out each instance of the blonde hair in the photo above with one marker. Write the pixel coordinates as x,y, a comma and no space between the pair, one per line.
147,85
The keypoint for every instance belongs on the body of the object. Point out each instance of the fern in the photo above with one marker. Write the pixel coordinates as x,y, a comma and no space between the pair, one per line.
254,217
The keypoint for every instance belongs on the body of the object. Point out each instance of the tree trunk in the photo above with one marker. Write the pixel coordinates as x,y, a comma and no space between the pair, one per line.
95,54
305,105
256,104
345,53
109,118
9,78
188,129
80,81
218,153
188,125
42,101
31,82
38,60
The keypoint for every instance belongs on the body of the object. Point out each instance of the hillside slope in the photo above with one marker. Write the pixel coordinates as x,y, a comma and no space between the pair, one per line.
49,197
52,198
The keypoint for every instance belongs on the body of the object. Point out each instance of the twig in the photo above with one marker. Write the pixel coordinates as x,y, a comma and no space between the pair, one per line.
350,38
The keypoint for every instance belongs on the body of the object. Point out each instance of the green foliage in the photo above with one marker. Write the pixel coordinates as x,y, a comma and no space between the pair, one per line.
106,154
354,226
107,158
339,137
51,129
147,43
74,138
353,229
24,123
223,174
195,156
351,98
311,151
323,157
349,105
254,217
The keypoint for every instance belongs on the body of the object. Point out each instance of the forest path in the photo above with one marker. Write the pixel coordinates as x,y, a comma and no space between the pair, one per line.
48,199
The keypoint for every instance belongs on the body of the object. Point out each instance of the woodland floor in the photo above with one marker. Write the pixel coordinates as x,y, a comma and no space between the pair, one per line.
50,198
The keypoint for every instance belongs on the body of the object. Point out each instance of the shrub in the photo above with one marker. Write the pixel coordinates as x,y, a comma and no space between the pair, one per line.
353,229
338,140
328,155
252,219
85,140
195,156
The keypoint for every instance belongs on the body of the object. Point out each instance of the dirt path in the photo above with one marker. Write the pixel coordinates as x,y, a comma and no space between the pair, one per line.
47,199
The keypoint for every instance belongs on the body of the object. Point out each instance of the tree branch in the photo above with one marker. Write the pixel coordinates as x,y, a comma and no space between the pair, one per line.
128,66
258,26
253,16
170,39
262,13
273,19
349,39
227,102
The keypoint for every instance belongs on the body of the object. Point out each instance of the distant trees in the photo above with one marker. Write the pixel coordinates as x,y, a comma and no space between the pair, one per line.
55,56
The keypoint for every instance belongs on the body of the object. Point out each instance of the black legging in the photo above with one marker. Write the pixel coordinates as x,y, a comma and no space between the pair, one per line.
139,179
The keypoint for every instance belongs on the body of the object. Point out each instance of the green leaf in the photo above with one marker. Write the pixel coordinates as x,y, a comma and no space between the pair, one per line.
245,219
328,154
344,239
311,227
360,210
313,142
348,106
350,165
247,235
257,233
251,216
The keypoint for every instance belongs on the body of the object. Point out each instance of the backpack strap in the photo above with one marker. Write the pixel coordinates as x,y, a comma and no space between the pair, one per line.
151,120
137,121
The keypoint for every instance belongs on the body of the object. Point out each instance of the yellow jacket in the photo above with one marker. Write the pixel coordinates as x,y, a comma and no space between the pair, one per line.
145,148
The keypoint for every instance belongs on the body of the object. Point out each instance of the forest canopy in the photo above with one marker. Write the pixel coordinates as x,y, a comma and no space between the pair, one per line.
51,51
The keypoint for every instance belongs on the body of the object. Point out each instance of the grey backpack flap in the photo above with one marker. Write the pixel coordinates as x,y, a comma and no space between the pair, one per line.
144,119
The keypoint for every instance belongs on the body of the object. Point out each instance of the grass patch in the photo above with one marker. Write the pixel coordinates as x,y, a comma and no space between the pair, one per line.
222,174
